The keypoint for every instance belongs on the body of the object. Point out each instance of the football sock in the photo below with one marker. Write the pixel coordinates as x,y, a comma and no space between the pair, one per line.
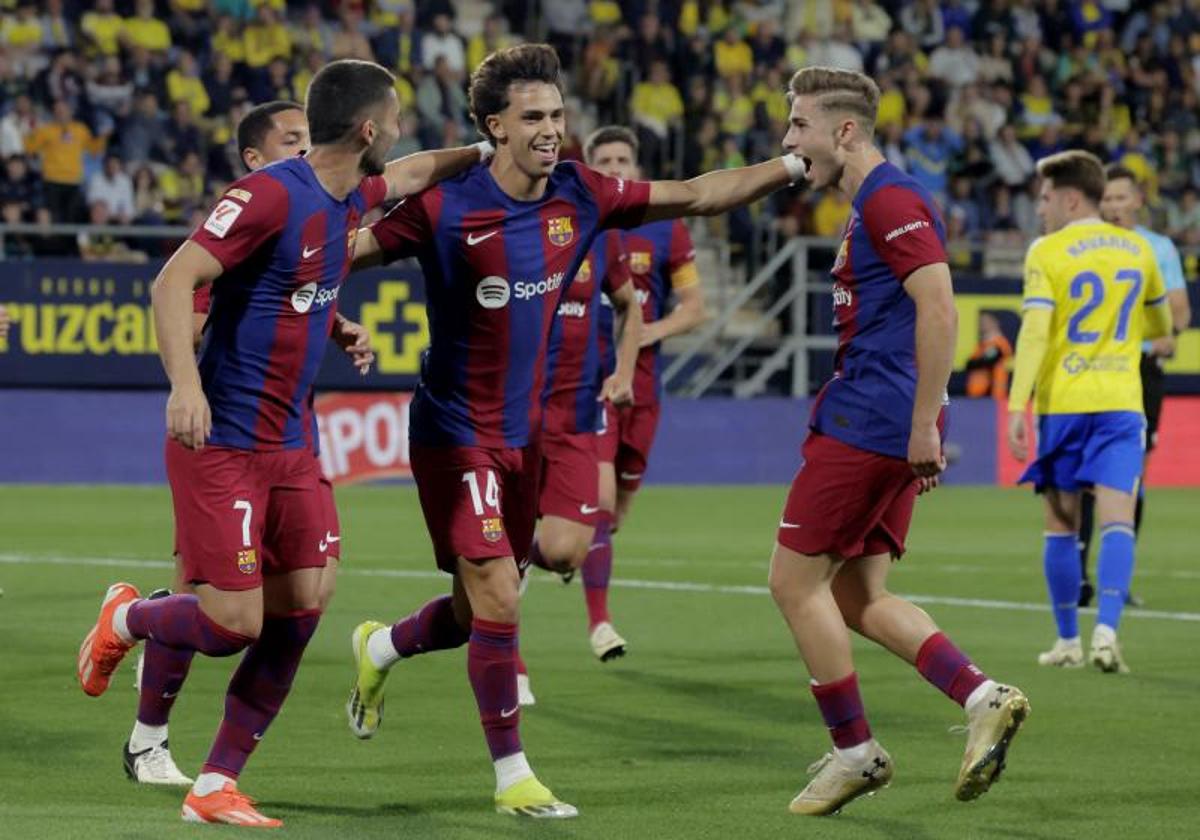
510,770
259,686
492,670
978,695
144,737
1087,525
1060,562
948,668
177,621
432,627
597,571
842,708
207,783
1114,571
163,671
521,669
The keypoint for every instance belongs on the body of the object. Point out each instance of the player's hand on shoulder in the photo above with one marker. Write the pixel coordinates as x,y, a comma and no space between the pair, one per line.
354,339
925,451
618,390
189,419
1018,435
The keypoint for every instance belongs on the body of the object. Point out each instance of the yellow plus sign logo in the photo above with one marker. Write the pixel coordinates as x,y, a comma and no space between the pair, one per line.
379,318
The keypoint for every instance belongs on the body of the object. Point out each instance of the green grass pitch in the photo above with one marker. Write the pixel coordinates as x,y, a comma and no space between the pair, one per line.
704,730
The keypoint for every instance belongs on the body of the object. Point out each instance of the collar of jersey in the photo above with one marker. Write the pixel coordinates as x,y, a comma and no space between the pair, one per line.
1089,220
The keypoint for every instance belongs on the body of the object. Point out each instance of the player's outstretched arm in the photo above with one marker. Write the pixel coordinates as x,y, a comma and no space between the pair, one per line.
618,388
420,170
188,417
936,332
718,192
367,252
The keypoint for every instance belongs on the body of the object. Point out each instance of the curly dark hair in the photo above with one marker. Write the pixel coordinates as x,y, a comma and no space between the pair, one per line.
490,81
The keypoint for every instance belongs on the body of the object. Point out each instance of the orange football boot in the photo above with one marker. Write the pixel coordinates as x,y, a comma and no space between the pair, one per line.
227,805
102,649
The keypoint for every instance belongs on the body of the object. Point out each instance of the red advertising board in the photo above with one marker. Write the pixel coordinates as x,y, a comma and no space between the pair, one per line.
364,436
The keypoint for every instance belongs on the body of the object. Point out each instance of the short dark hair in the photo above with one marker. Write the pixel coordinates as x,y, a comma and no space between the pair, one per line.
1077,169
609,134
253,128
339,94
1117,171
523,63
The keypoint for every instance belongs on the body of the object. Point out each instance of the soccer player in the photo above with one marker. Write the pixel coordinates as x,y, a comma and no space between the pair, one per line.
241,427
662,263
267,133
497,245
1093,291
874,443
1123,200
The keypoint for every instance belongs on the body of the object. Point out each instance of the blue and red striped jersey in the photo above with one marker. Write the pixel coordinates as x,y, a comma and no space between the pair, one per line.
574,368
286,246
495,270
659,253
894,229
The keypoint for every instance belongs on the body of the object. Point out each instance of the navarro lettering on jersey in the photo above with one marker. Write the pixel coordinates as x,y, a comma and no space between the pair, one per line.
908,228
560,231
527,290
1093,242
572,308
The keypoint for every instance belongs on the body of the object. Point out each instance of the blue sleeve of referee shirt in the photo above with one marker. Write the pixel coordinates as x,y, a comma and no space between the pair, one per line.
1170,265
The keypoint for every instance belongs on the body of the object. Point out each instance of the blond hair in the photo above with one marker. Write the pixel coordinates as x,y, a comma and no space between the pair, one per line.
839,90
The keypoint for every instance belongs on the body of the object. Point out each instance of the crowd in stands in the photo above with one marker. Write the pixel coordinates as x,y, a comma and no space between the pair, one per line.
123,110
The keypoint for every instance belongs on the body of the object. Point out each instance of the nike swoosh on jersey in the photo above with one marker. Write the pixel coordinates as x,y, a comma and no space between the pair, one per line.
307,253
472,239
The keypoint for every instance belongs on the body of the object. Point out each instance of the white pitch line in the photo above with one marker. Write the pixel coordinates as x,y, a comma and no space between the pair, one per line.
624,583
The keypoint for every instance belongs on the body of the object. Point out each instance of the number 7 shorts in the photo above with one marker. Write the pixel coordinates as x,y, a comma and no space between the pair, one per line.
479,502
240,514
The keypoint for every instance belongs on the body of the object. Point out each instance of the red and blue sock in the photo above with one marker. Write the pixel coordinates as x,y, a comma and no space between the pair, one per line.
178,622
432,627
842,709
597,571
948,668
492,670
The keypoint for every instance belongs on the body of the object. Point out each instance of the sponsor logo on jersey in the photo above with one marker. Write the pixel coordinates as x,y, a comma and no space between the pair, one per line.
841,295
309,296
585,272
1074,363
239,194
639,262
919,224
221,219
247,561
572,309
492,292
527,290
493,529
560,231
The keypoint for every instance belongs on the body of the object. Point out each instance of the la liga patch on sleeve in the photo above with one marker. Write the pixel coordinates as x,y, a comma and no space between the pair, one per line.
221,219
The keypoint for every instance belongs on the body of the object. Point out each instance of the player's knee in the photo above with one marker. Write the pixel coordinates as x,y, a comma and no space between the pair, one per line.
245,623
328,585
563,552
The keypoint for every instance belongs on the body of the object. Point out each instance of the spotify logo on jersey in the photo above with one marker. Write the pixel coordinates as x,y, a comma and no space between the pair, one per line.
492,292
309,294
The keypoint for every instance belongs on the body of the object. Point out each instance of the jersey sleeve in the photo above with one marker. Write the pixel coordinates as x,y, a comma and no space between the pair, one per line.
251,212
681,257
617,274
904,230
374,191
406,229
621,203
1037,292
1171,266
202,299
1156,284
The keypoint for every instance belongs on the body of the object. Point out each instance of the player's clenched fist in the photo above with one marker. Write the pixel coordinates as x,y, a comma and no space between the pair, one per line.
618,390
925,451
188,418
1018,436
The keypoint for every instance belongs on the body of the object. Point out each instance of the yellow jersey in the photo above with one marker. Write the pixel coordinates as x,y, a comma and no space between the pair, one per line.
1096,278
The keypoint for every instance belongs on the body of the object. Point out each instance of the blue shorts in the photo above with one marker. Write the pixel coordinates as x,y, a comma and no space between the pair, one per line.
1080,450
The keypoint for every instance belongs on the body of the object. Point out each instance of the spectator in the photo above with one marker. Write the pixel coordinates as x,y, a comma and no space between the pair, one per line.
966,104
955,62
104,247
837,51
185,85
111,97
350,37
870,24
61,146
113,188
442,105
922,19
564,20
1183,219
61,80
219,86
145,30
182,136
101,29
735,107
227,40
148,202
656,105
987,369
312,33
266,39
144,133
21,193
494,36
929,148
769,48
183,188
146,70
22,34
17,125
732,55
1037,109
650,44
963,203
56,31
995,66
443,42
1013,163
831,214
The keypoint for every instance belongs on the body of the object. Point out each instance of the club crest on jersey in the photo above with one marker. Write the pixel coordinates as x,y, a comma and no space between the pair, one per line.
843,252
492,292
560,231
639,262
493,529
585,272
247,561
